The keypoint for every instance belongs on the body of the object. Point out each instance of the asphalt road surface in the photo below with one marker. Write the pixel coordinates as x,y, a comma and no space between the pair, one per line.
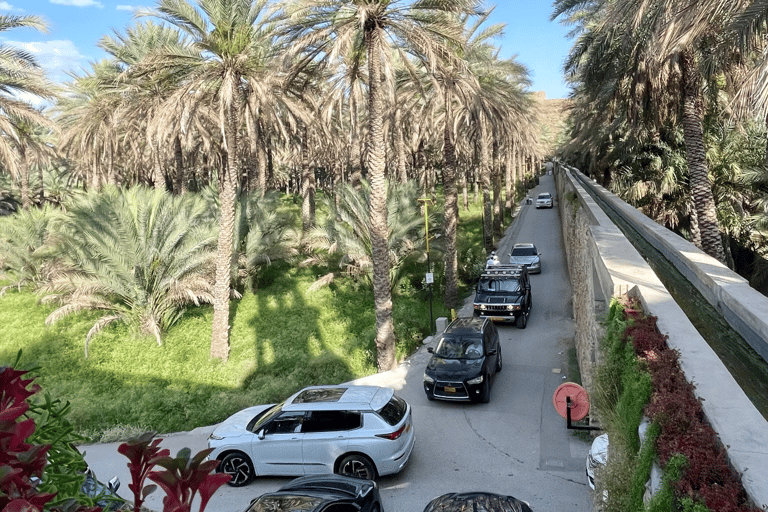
517,444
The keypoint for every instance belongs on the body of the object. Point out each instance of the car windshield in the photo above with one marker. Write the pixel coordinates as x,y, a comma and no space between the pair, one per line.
460,347
265,418
499,285
523,251
544,196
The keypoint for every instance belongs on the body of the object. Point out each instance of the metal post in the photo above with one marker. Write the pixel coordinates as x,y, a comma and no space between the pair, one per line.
426,202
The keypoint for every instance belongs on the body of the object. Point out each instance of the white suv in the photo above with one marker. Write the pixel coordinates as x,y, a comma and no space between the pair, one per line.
362,431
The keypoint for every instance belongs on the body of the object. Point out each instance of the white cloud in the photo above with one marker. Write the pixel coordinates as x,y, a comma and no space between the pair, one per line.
5,6
55,56
126,7
79,3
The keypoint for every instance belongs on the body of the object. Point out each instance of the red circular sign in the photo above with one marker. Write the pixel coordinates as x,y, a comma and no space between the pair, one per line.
579,400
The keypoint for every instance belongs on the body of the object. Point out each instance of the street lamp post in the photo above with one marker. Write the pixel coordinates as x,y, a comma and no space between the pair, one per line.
429,277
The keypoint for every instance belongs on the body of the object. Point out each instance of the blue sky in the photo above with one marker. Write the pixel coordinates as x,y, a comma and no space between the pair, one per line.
77,25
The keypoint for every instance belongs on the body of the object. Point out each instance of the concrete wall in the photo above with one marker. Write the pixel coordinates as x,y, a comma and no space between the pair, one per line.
603,263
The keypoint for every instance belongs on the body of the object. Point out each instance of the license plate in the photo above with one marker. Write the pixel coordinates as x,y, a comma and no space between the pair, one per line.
498,319
449,389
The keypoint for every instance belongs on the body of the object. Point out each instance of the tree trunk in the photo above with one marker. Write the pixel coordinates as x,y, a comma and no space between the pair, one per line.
376,167
701,187
261,159
485,179
451,207
402,169
509,182
26,189
224,250
497,200
180,181
307,185
355,155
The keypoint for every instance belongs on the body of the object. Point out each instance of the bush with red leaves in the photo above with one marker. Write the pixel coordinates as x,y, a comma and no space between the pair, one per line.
21,463
708,476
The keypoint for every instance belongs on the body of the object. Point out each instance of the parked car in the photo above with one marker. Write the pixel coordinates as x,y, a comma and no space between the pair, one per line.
105,494
362,431
544,200
464,361
526,255
476,502
321,493
596,458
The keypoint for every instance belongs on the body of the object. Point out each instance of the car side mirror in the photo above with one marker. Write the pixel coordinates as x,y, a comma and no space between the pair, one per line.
260,435
430,350
113,484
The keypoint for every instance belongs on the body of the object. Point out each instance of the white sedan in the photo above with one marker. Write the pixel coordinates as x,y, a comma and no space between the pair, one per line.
544,200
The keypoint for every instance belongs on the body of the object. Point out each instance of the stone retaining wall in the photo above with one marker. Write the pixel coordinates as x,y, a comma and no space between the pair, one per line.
603,264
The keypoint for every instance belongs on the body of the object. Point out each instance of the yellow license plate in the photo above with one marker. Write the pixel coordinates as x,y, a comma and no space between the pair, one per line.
449,389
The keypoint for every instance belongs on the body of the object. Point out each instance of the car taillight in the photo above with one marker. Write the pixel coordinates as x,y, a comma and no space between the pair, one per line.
394,435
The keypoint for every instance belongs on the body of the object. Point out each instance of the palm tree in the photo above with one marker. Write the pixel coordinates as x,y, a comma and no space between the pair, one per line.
370,32
345,237
20,74
264,235
138,255
226,62
24,246
627,68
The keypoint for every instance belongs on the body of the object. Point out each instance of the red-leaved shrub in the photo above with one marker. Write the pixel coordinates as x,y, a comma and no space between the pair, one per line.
684,429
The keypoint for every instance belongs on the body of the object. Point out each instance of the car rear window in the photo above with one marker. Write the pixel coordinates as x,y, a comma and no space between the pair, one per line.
523,251
394,411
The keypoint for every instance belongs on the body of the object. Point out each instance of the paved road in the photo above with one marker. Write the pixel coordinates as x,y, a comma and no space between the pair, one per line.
516,444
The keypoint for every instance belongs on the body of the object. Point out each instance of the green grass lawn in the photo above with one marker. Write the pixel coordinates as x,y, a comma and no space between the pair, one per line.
283,338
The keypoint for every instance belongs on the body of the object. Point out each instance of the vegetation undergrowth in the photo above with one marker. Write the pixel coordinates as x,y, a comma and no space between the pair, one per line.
284,336
640,375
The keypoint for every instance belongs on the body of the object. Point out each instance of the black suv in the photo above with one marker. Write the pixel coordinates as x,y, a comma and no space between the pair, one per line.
503,294
464,361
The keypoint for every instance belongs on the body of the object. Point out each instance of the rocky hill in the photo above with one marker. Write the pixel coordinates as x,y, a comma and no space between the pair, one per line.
552,116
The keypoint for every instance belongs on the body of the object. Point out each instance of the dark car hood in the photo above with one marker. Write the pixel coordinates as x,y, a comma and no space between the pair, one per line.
498,298
454,369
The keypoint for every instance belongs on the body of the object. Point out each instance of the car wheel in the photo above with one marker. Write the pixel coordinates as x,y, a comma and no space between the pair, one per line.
485,396
522,320
238,466
358,466
376,508
498,361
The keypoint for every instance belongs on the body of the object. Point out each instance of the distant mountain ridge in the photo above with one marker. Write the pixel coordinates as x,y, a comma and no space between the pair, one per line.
552,116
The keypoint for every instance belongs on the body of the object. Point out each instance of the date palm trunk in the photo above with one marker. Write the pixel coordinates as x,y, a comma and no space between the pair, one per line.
24,179
451,206
376,167
307,185
701,187
509,182
224,249
497,199
485,179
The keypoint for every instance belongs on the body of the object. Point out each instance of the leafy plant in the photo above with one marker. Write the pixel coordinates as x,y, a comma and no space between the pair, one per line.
23,248
138,256
344,239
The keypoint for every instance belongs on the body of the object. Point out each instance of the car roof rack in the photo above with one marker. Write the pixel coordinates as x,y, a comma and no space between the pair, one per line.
503,271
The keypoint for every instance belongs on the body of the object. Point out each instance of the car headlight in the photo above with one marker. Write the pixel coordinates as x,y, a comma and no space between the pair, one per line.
428,379
476,380
480,306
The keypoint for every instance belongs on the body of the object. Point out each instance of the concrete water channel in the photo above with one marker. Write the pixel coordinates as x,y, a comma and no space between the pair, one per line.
742,361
